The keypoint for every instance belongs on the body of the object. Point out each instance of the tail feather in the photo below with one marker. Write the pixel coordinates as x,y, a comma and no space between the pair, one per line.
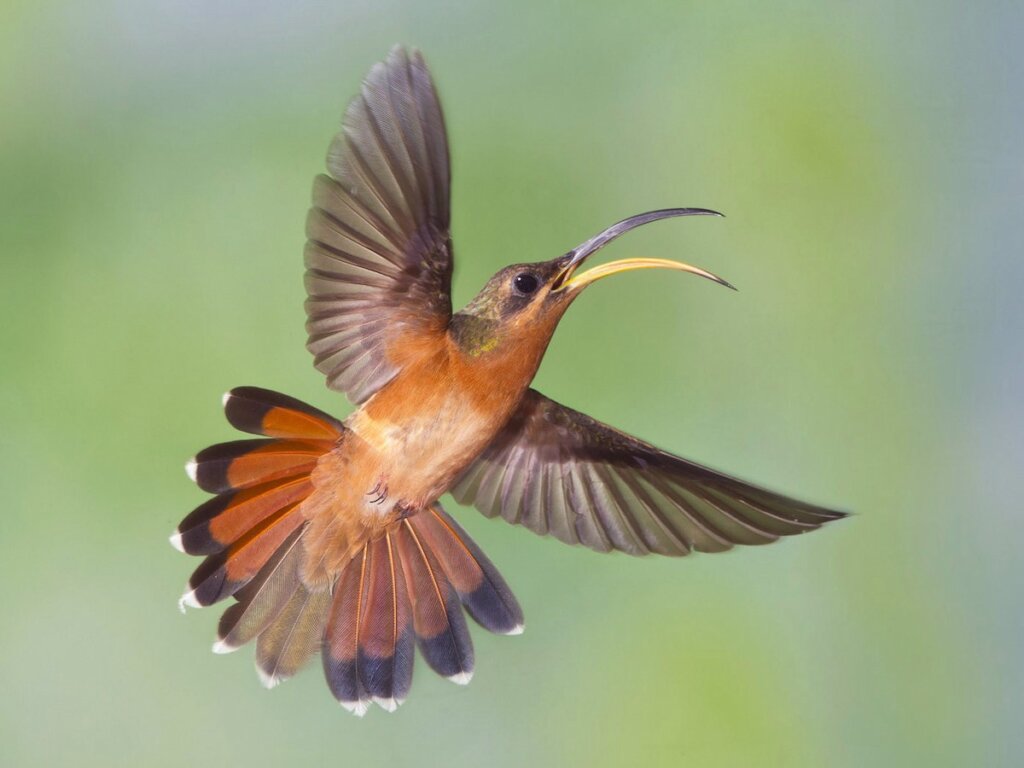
386,640
223,520
341,646
481,588
293,636
244,463
223,574
440,625
261,600
263,412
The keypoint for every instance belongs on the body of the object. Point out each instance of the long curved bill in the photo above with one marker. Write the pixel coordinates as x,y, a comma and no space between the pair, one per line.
569,280
624,265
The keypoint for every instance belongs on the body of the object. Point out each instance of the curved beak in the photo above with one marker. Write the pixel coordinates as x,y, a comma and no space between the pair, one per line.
567,279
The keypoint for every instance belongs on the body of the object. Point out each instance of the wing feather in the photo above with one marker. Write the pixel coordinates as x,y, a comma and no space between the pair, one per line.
378,256
559,472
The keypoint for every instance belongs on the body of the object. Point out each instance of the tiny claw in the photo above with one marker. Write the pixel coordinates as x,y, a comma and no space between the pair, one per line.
379,492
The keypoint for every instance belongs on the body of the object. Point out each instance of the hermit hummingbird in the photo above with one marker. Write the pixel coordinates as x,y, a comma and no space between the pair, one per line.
329,534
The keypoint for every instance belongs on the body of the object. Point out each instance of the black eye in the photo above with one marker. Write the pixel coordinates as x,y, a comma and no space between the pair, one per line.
525,283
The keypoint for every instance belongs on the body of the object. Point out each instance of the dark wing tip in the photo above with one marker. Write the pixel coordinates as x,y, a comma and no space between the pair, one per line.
837,514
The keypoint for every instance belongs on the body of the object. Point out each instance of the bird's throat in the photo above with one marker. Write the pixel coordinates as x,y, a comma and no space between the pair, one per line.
473,334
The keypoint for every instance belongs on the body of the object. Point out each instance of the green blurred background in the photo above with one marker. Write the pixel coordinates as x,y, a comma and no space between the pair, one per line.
155,166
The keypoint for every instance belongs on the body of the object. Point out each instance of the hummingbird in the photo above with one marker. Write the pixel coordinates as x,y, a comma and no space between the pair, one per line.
329,534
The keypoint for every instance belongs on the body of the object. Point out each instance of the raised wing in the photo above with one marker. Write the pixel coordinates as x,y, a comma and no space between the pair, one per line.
379,255
560,472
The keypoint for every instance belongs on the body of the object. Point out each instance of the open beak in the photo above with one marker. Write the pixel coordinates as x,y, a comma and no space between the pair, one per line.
568,280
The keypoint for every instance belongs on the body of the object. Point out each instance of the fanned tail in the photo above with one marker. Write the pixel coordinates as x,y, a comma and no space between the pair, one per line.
408,585
403,589
250,529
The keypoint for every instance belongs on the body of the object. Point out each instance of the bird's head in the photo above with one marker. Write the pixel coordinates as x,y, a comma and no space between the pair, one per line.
519,308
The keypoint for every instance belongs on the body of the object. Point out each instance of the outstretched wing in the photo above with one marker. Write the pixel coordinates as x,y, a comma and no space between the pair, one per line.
379,255
560,472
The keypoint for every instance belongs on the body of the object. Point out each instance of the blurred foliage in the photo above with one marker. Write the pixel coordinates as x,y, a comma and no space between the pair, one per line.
155,166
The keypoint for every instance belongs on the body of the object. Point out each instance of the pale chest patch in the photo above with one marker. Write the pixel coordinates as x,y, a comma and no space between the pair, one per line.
421,454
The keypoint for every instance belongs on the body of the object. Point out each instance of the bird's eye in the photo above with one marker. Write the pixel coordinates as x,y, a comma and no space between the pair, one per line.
525,283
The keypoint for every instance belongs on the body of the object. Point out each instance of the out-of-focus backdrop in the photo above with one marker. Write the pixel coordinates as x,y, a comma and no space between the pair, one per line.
155,167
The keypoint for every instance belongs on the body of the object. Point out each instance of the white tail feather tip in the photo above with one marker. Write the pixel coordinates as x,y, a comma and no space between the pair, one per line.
188,600
388,705
268,681
516,630
461,678
221,646
175,539
224,399
190,469
357,708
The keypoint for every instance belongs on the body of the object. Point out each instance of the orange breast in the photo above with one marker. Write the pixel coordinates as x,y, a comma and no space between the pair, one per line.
437,416
406,447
